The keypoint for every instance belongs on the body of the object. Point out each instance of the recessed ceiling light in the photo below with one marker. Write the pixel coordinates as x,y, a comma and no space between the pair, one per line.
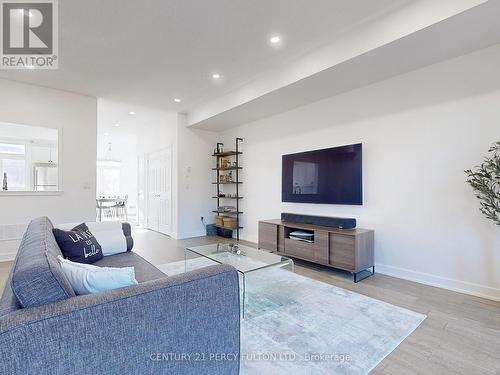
216,76
131,113
117,125
177,100
275,39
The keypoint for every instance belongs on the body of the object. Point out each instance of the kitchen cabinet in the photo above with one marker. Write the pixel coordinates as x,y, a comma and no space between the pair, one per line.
44,154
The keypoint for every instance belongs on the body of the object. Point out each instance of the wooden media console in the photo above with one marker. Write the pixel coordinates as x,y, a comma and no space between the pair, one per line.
347,249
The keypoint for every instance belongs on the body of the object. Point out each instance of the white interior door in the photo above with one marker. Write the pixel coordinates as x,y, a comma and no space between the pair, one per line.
160,191
165,192
141,190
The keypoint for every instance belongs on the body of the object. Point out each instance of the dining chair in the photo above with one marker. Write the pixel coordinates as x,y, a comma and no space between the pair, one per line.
121,208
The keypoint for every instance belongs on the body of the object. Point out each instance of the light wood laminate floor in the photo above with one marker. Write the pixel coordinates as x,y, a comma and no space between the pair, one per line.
461,334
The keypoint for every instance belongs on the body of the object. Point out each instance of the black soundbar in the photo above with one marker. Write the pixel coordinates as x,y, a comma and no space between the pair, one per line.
324,221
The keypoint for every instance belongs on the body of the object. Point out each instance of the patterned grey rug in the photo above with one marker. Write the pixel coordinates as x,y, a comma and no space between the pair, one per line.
297,325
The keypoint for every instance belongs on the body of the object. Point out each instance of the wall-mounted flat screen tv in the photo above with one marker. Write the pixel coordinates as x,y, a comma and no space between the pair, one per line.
332,176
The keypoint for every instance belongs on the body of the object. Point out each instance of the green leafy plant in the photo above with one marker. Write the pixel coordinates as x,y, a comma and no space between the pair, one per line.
485,180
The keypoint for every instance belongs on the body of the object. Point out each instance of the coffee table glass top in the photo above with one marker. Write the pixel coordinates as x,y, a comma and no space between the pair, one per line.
249,260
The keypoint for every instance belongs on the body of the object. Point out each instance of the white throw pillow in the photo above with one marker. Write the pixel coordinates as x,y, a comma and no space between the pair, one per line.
110,237
87,278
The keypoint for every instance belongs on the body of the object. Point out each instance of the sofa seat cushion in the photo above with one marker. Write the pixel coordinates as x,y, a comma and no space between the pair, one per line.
144,271
37,277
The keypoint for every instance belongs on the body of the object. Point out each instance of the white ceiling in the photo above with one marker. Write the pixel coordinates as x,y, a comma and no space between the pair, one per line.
131,129
421,35
149,52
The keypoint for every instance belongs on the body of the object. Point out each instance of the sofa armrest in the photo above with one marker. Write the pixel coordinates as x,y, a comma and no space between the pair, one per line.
185,324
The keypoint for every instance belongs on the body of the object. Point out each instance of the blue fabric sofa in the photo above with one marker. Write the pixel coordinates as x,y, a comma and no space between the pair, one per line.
185,324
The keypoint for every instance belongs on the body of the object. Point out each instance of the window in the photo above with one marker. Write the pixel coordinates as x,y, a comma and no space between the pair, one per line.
14,149
28,158
13,166
15,172
108,179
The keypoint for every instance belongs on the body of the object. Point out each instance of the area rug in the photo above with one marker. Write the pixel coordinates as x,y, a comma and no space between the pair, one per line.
297,325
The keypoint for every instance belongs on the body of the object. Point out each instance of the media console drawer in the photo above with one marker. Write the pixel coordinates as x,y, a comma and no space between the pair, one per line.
300,249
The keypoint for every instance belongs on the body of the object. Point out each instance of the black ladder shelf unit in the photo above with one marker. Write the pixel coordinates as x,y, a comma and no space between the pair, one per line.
236,168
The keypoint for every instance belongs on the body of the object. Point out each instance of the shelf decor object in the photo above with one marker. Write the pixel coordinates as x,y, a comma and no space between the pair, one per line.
228,161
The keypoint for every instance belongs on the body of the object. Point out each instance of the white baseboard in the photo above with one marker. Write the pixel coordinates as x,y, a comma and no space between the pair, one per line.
183,236
465,287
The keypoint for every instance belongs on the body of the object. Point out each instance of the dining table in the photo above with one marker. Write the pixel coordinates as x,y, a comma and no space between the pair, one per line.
106,203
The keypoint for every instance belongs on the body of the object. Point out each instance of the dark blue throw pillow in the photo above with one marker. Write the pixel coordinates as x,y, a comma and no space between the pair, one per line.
79,244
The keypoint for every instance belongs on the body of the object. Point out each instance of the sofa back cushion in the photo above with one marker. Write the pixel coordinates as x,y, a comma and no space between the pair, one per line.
37,277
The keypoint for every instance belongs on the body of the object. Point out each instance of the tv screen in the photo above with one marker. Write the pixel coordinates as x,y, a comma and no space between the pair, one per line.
332,175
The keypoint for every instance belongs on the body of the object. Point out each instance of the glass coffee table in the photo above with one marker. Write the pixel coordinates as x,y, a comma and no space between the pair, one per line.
248,260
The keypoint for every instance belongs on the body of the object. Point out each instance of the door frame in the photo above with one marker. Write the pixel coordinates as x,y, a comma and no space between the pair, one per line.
142,193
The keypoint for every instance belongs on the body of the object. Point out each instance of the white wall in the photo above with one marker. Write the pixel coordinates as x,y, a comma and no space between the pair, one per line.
76,117
195,177
419,132
157,135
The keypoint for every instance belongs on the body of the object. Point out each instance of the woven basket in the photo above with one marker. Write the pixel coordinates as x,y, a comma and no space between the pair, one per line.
230,222
219,220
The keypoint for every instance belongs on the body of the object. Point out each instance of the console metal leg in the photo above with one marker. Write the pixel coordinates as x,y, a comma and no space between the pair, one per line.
363,274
